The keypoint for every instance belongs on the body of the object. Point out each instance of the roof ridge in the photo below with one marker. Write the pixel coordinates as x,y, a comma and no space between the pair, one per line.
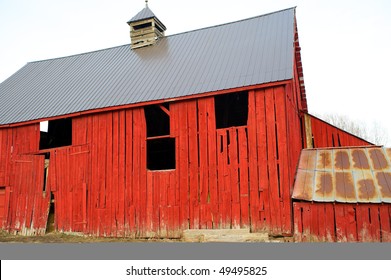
232,22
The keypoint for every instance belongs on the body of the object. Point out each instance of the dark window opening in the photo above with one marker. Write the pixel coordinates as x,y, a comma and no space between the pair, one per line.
161,154
231,109
159,28
57,134
158,120
141,26
160,146
46,173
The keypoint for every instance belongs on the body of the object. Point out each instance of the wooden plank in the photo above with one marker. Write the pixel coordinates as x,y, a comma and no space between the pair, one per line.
69,191
385,219
306,220
183,155
108,179
152,182
79,130
203,159
351,227
121,174
159,201
227,209
363,223
139,119
297,222
212,161
174,208
340,223
249,165
115,202
164,220
131,216
375,223
275,210
263,177
244,184
193,164
220,176
321,217
143,166
29,194
314,208
95,181
6,217
136,172
283,162
234,177
129,191
101,155
330,222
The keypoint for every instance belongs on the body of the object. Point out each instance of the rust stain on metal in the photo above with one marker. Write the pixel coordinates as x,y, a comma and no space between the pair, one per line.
378,159
334,175
324,185
360,160
366,190
303,185
342,160
344,186
384,181
324,160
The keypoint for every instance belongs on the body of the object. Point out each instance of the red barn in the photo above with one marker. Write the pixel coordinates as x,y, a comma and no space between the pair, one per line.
198,130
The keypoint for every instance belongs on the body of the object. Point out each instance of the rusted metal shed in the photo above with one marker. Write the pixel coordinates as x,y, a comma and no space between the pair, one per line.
343,194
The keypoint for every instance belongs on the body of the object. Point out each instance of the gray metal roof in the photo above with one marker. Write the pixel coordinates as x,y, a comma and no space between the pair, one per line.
145,13
248,52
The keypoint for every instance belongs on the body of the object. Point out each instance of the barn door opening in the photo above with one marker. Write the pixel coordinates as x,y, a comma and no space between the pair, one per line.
50,225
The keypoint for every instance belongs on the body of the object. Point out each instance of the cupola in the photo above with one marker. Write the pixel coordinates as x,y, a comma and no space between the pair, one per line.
145,28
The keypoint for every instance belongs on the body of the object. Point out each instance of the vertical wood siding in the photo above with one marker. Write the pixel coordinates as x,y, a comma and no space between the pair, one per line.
342,222
236,177
326,135
28,203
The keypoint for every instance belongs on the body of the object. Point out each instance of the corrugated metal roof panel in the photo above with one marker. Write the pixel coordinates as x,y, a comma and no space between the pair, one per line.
351,175
249,52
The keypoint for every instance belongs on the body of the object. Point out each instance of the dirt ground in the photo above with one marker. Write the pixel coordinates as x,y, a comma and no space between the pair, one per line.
55,237
197,236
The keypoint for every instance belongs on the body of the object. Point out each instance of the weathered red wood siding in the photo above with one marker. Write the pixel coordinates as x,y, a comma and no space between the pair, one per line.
236,177
224,178
25,204
5,152
337,222
326,135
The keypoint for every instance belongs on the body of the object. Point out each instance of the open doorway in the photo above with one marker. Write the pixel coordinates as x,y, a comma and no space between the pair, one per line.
50,226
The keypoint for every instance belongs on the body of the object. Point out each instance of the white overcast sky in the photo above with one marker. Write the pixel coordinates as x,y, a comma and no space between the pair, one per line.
346,44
